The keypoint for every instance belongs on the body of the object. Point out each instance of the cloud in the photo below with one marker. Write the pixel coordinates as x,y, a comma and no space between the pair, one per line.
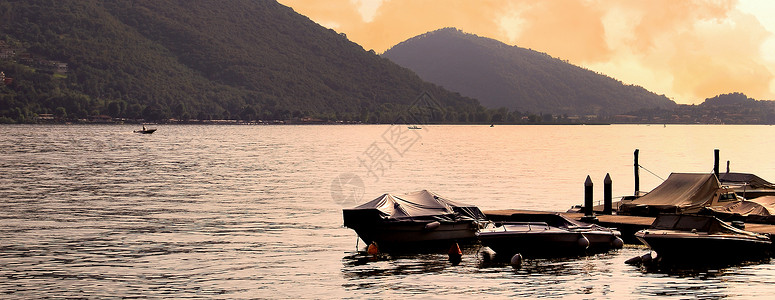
687,50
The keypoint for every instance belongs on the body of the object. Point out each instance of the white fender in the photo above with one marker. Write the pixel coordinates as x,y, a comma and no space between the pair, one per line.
432,225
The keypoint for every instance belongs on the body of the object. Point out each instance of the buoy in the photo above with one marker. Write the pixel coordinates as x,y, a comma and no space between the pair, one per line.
455,255
455,250
646,258
516,261
617,243
373,249
488,255
634,261
643,259
432,225
583,242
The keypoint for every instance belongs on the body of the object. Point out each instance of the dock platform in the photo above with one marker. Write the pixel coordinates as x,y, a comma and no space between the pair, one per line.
627,225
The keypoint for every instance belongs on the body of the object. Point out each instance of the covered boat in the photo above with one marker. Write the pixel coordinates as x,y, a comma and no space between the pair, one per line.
757,210
547,234
680,193
414,221
695,237
747,185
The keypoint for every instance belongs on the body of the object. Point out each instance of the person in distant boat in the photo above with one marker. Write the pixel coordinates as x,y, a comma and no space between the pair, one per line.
143,127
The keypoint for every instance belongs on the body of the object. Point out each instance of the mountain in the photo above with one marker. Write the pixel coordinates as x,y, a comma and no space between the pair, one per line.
499,75
203,59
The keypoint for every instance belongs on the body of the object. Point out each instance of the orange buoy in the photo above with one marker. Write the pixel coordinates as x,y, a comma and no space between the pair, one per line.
455,255
455,250
373,249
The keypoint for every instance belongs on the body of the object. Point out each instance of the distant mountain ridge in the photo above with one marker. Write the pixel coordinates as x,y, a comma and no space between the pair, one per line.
203,59
499,75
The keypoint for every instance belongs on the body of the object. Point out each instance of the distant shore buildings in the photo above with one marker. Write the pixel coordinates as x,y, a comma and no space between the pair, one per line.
20,55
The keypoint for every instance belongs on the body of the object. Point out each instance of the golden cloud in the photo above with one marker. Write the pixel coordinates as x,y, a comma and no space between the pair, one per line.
688,50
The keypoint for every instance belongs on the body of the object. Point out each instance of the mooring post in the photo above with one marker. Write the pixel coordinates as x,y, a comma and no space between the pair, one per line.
637,173
715,162
589,214
607,195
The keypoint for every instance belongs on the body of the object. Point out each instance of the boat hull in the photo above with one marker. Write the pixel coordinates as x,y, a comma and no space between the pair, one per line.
687,246
549,242
417,236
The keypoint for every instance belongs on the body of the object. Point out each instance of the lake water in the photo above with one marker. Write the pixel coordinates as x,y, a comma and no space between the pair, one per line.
190,211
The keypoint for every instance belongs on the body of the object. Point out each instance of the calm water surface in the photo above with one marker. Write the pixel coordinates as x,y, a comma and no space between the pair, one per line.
255,211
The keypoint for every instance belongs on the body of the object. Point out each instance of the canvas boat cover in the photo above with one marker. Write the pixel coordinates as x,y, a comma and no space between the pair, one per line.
757,210
709,224
418,206
681,192
749,180
762,206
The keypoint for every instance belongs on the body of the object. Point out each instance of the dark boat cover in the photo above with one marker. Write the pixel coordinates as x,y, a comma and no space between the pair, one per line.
757,210
681,192
750,180
709,224
420,206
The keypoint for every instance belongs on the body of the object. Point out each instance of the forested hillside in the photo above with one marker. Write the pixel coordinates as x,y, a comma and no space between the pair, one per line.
194,59
499,75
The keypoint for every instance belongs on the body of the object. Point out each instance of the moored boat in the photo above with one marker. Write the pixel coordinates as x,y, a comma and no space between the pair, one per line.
696,237
547,234
414,221
680,193
747,185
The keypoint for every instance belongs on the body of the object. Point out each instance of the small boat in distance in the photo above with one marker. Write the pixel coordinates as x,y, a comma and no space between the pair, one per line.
146,131
547,235
682,238
415,127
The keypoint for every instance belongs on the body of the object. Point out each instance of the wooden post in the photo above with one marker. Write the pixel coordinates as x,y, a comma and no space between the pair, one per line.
589,214
715,162
637,173
607,195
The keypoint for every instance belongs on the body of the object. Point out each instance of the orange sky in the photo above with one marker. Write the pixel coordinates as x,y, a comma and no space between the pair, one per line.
688,50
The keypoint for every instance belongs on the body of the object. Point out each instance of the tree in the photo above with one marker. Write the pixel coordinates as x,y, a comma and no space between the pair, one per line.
114,109
248,113
60,113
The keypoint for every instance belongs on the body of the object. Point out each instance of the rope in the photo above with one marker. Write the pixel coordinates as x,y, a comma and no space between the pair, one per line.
652,173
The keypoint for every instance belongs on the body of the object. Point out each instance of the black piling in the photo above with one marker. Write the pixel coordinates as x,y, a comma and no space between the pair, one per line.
589,214
607,195
715,162
637,173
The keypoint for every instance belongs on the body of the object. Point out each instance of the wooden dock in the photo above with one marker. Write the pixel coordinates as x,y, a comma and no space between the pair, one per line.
627,225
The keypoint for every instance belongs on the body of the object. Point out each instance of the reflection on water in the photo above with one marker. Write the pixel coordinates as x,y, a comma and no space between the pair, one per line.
246,211
601,275
701,270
